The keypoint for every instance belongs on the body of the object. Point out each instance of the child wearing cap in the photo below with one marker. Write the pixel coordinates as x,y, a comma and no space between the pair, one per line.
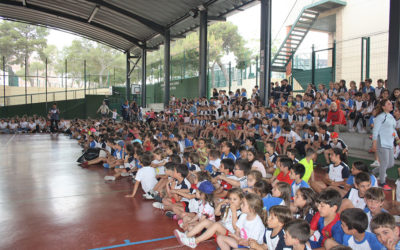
206,206
334,142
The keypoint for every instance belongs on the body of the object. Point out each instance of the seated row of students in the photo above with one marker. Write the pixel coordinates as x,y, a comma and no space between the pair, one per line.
254,211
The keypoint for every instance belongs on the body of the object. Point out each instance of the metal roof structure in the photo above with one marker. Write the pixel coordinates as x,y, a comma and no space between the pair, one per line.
127,25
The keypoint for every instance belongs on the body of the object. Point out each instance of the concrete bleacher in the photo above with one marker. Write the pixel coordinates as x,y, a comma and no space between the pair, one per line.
359,144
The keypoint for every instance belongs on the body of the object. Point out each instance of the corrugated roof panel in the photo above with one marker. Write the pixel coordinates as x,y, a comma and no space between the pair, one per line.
117,29
75,7
123,23
86,30
160,11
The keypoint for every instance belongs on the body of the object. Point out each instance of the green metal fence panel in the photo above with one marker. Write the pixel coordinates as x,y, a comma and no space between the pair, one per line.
323,76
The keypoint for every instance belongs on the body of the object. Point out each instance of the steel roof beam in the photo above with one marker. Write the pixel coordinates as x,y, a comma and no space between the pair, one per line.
150,24
132,39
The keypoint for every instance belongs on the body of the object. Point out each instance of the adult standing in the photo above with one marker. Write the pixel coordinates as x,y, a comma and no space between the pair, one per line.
383,135
125,110
54,115
104,110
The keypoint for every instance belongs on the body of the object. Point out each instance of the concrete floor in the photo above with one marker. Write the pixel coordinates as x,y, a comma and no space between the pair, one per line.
47,201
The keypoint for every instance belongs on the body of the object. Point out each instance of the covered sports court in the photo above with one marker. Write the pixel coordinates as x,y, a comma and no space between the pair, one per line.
46,200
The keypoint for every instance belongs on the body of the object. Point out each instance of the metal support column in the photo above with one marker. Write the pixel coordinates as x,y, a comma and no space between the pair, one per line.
313,65
265,50
362,59
203,54
66,81
394,46
167,64
334,62
257,71
128,76
367,54
144,59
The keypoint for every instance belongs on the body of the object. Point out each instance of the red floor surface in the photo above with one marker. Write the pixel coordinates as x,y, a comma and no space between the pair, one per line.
47,201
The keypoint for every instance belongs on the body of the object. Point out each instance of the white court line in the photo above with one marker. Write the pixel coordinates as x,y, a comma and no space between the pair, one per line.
12,137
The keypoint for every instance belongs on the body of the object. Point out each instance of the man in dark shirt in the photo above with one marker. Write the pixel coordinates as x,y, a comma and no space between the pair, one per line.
286,89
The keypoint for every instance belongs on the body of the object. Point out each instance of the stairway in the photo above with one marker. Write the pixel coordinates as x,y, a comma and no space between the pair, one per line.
296,35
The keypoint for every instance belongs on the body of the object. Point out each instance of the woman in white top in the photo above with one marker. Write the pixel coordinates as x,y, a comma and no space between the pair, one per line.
383,136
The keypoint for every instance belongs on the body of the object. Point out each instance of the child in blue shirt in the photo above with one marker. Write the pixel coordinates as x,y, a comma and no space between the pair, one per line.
327,220
384,227
354,223
296,173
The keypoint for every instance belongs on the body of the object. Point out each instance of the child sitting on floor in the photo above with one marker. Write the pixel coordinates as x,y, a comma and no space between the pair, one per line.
231,207
249,225
145,175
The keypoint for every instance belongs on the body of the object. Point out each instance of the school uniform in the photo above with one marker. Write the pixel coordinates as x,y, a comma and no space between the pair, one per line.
368,243
353,196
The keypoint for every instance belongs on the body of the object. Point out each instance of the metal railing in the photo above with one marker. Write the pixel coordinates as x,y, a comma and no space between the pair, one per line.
50,96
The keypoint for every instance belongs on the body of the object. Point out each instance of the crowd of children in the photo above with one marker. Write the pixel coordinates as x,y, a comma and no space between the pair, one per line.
232,170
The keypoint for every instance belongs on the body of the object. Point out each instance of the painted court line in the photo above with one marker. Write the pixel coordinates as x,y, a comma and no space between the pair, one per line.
12,137
128,243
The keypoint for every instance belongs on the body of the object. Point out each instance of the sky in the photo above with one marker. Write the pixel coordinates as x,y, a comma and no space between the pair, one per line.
248,23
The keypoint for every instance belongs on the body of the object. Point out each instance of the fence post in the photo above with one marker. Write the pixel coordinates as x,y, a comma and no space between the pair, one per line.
4,80
26,90
114,76
84,78
66,80
230,76
313,65
46,83
334,61
362,59
257,71
367,54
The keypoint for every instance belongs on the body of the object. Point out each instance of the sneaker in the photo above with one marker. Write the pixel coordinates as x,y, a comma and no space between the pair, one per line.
158,205
375,164
157,198
189,241
362,131
320,151
148,197
109,178
386,187
106,165
179,235
352,130
125,174
170,214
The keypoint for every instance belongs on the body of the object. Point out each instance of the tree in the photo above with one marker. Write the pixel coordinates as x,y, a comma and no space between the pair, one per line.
100,59
20,40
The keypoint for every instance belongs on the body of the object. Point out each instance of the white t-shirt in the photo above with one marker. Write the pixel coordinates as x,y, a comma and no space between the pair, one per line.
159,170
194,205
3,125
24,124
147,177
32,126
207,210
260,167
251,229
13,126
227,220
357,201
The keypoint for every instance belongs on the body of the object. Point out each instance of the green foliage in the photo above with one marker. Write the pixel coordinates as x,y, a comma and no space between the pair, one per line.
20,40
